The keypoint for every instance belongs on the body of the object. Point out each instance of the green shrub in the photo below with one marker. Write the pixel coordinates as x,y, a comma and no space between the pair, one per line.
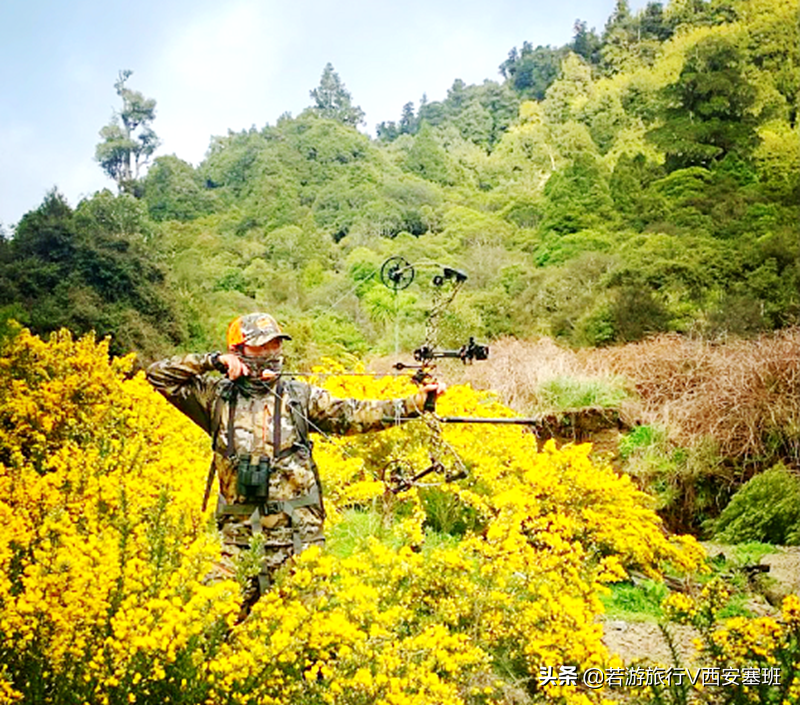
641,439
354,529
233,279
767,508
690,485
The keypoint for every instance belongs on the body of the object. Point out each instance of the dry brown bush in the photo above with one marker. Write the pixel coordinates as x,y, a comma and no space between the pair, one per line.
745,395
516,369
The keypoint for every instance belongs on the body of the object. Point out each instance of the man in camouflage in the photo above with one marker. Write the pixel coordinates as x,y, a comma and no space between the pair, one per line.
268,481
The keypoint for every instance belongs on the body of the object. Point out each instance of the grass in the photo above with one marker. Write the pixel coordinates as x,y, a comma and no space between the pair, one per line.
752,552
353,529
578,393
642,439
357,526
640,602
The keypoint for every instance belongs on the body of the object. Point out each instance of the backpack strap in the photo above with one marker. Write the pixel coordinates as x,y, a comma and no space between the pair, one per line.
276,420
299,396
230,451
216,423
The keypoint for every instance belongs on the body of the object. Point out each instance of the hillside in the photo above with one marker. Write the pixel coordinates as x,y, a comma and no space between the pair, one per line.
640,180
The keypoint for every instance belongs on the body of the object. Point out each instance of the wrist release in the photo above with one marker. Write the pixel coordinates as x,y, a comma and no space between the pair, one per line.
216,363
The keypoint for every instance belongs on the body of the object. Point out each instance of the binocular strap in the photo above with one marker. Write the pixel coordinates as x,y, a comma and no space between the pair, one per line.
286,506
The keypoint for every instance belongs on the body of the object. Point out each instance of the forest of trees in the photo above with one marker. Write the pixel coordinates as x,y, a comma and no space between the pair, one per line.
643,179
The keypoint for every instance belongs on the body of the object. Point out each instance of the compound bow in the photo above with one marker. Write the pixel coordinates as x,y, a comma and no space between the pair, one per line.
397,274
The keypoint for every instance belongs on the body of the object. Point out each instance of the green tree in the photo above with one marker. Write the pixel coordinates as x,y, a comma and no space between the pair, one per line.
620,20
619,37
82,270
105,214
428,158
573,87
433,113
630,41
578,197
387,131
475,124
391,130
231,162
175,191
586,43
128,140
408,123
701,12
333,101
774,50
707,112
502,105
652,23
631,178
531,71
481,113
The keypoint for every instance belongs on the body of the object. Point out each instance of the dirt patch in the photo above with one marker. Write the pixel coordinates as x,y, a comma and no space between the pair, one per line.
644,641
784,569
598,426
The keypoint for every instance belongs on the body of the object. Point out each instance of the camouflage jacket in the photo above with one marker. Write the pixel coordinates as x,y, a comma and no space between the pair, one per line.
187,382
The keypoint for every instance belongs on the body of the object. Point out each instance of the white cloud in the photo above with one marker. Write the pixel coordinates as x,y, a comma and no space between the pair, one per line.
22,169
217,72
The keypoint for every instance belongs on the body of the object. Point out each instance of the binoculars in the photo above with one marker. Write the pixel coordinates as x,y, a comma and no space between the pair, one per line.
252,477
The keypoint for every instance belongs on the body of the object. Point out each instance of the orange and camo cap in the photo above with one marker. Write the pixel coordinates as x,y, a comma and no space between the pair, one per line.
254,329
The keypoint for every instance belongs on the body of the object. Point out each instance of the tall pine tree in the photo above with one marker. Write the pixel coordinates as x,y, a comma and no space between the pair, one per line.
333,101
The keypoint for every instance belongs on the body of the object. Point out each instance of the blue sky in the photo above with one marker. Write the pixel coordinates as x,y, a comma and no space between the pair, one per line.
214,66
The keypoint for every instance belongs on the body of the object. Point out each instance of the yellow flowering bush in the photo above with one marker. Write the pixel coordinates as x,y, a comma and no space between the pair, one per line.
763,652
480,574
541,534
102,543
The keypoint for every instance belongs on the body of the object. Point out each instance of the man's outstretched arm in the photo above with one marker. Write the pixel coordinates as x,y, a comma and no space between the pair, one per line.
348,416
183,381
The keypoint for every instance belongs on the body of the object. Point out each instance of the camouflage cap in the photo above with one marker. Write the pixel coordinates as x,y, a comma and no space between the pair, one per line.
254,329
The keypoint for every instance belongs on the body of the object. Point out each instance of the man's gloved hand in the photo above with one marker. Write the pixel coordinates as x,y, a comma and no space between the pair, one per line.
428,394
438,387
236,368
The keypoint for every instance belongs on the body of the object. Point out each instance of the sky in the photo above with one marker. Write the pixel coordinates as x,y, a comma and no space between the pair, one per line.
214,66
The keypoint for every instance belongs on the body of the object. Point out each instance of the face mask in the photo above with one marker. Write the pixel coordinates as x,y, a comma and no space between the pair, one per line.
259,365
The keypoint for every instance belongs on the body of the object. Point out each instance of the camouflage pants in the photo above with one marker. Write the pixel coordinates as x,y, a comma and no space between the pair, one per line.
285,534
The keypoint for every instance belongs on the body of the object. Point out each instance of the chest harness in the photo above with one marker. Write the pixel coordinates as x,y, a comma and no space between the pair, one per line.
253,472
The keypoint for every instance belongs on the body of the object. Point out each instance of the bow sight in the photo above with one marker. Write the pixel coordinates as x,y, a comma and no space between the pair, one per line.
466,353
